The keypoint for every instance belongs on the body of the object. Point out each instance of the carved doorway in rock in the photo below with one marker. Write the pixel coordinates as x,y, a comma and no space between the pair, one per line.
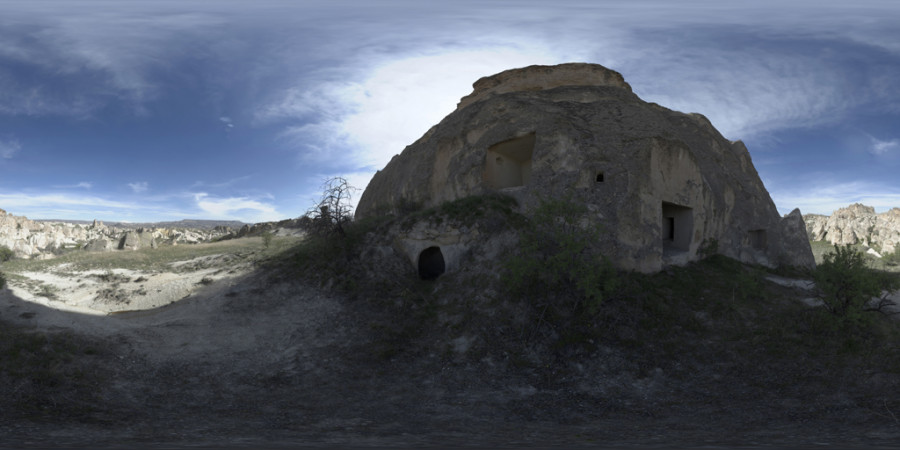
677,227
758,239
431,263
508,163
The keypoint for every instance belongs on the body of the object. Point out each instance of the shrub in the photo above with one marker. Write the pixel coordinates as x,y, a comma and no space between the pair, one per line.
893,259
333,211
848,287
267,238
557,260
2,281
6,253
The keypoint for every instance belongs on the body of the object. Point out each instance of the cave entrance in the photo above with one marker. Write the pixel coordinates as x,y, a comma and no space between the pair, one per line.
431,263
509,162
759,239
677,227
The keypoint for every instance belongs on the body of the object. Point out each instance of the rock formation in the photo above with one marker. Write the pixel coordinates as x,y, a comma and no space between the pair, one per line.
660,183
34,239
857,224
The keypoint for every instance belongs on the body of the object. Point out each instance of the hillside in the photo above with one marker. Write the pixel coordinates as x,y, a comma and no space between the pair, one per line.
303,350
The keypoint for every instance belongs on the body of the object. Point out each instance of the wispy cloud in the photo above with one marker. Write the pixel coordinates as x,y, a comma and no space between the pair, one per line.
242,208
9,148
229,124
138,187
824,198
223,184
372,119
80,185
880,147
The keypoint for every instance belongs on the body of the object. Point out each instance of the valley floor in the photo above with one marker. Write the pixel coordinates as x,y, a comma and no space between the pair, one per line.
232,355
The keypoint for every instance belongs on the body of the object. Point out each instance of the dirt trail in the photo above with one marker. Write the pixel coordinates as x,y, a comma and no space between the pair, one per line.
205,310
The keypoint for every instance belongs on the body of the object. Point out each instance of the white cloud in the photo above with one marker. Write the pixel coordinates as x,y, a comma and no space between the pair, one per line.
138,187
377,117
80,185
880,147
237,208
33,201
9,148
824,198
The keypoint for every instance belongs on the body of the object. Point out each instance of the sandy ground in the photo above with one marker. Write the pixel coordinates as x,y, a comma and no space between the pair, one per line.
210,308
103,292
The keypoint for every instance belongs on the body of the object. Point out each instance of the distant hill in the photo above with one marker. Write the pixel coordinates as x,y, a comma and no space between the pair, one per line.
184,223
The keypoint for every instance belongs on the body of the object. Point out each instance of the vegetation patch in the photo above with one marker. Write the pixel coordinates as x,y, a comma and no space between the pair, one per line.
49,376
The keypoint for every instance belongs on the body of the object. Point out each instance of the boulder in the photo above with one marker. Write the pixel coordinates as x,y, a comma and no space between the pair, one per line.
660,183
99,245
135,240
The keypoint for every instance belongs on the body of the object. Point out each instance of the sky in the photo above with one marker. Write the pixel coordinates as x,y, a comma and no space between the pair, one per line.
173,109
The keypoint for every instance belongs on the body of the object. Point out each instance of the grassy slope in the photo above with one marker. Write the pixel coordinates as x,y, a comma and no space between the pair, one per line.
712,344
58,375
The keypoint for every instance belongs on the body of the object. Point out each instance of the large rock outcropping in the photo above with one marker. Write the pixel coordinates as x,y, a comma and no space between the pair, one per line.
857,224
660,183
33,239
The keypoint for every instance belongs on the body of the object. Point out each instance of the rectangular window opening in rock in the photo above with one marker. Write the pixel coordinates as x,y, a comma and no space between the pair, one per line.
677,227
599,178
508,163
758,239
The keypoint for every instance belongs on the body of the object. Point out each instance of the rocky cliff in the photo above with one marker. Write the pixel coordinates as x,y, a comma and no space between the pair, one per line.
33,239
664,186
857,224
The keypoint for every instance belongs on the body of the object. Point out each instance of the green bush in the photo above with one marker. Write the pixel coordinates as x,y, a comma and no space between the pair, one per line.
557,258
6,253
2,281
848,286
892,259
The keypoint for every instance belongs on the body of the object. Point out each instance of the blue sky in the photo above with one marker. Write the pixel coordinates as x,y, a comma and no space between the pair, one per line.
165,110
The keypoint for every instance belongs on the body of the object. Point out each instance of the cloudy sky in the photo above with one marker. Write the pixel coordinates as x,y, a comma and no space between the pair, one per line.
165,110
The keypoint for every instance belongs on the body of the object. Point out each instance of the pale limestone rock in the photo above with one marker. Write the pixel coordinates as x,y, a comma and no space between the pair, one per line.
661,183
30,239
99,245
857,224
135,240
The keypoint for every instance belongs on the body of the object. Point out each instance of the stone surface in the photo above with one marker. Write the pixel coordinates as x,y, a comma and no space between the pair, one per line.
34,239
857,224
135,240
660,183
99,245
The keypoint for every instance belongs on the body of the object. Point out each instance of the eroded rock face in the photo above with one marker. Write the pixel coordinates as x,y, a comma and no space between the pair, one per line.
32,239
660,183
857,224
135,240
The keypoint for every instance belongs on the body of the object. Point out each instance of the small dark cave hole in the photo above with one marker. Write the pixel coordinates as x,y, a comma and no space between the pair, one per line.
600,177
431,263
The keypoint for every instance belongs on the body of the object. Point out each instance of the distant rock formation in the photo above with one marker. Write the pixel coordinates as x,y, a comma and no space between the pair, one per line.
135,240
661,184
41,239
857,224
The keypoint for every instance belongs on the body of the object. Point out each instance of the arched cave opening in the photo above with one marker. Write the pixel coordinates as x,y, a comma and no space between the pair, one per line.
431,263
